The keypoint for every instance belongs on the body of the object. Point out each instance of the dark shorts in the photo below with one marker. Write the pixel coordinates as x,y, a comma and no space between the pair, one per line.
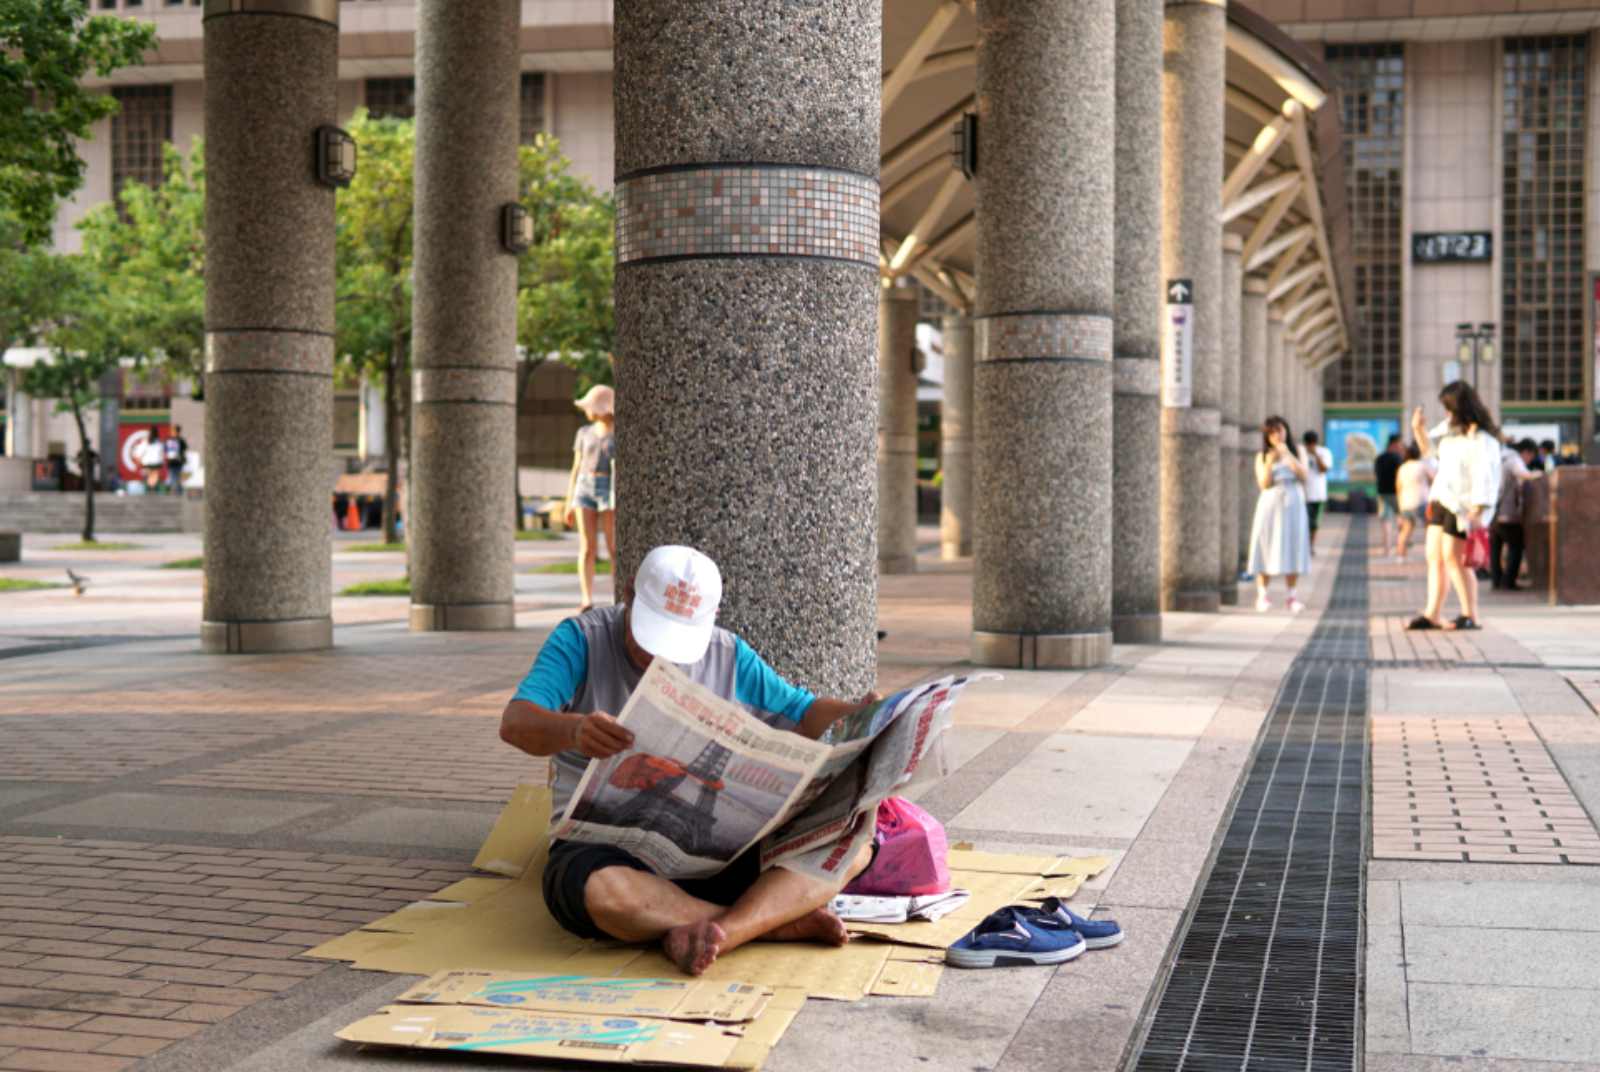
1388,504
1447,520
572,862
1314,514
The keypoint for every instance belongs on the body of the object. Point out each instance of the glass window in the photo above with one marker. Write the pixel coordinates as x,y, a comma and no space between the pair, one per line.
392,98
139,131
1370,81
532,123
1542,226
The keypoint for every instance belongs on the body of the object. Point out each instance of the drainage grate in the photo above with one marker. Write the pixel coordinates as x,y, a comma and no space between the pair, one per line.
1268,973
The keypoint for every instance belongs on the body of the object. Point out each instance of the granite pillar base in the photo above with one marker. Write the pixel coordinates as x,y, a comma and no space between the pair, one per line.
1245,466
1228,516
1136,502
1190,481
897,430
1041,651
1136,628
955,441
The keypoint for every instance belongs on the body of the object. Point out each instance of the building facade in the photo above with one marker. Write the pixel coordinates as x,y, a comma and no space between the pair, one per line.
566,54
1469,148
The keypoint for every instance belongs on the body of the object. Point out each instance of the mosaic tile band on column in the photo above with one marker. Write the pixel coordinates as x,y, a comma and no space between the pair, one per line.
747,210
1025,336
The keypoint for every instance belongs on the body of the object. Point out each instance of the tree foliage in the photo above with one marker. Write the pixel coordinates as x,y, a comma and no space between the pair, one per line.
47,48
564,304
33,282
149,260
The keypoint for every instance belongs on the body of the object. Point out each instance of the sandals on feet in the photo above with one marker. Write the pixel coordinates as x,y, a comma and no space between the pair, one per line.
1419,622
1463,622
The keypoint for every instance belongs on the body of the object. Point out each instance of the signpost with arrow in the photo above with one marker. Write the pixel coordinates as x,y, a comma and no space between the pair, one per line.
1177,345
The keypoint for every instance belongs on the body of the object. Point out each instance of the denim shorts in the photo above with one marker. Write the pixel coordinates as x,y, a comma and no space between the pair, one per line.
594,493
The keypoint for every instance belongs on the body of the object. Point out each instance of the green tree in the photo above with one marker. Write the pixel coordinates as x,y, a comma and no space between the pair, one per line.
373,318
150,261
84,348
32,283
564,303
47,48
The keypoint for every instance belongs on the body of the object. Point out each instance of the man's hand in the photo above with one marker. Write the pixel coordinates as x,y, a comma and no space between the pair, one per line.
598,736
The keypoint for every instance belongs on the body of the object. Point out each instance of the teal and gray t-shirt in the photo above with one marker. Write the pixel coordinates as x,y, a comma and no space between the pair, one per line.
584,667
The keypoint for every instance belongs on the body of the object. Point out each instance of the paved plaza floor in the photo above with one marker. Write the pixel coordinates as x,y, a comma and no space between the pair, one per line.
175,829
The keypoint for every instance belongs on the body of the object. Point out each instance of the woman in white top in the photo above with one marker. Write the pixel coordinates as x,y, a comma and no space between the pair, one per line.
1280,538
1411,494
590,497
1461,499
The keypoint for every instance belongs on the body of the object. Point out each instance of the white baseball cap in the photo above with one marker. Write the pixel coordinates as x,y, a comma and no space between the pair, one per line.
675,596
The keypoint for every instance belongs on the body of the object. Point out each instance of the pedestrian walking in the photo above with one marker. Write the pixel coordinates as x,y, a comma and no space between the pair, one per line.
1280,538
175,450
1317,460
1411,497
1461,500
1386,469
1506,536
590,499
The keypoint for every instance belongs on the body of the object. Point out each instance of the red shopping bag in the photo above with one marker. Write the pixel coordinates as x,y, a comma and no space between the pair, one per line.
1478,549
913,854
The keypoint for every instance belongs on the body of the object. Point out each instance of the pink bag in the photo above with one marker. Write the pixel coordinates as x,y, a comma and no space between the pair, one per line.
913,854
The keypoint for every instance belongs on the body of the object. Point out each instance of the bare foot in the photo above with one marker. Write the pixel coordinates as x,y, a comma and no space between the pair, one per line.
693,947
819,925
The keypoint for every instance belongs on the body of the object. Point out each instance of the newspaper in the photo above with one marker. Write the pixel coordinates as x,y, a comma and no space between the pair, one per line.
932,907
705,780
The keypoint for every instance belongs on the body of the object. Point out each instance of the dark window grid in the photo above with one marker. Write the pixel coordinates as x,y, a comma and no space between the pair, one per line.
139,132
391,98
531,120
1543,286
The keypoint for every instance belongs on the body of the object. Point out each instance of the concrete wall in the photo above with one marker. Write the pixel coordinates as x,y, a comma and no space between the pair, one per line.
581,110
1452,171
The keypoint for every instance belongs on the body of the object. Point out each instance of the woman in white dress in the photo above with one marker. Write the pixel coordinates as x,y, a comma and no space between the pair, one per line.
1280,536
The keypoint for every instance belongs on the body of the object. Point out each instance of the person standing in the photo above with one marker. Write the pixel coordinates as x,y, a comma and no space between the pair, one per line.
1280,540
1317,460
590,500
152,457
1386,469
1411,496
1547,460
1461,499
175,451
1506,537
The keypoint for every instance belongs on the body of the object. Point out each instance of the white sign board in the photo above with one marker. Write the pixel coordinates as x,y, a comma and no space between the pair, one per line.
1177,345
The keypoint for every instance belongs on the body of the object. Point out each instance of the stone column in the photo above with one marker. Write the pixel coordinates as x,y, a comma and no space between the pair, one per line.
1228,439
460,533
897,430
1191,173
271,79
1136,401
955,440
1252,403
110,425
19,417
747,371
1276,356
1046,201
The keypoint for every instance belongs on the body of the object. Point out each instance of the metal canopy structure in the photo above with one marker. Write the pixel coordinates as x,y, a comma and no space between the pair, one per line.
1283,193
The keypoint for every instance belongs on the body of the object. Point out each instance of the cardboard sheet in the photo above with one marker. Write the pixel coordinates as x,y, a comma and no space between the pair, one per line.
500,924
665,999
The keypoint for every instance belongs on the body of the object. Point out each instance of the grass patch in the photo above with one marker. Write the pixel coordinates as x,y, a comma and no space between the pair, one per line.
394,586
97,545
602,566
21,584
185,563
536,535
366,547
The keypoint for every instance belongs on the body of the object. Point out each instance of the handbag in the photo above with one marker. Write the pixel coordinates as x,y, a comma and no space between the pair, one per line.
1477,557
913,853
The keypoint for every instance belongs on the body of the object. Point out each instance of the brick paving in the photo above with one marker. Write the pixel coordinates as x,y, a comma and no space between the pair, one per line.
113,950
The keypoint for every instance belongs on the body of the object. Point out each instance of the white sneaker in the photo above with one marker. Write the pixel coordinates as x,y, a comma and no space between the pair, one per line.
1263,604
1295,606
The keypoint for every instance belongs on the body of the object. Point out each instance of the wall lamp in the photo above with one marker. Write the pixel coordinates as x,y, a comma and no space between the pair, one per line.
516,228
964,145
336,157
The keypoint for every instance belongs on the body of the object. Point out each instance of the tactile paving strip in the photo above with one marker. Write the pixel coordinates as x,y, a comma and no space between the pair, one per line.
1481,790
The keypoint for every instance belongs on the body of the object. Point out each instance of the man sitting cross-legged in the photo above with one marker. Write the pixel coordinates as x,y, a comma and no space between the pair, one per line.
564,709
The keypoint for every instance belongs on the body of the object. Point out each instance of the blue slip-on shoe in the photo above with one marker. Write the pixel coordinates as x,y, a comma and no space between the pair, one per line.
1097,933
1010,938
